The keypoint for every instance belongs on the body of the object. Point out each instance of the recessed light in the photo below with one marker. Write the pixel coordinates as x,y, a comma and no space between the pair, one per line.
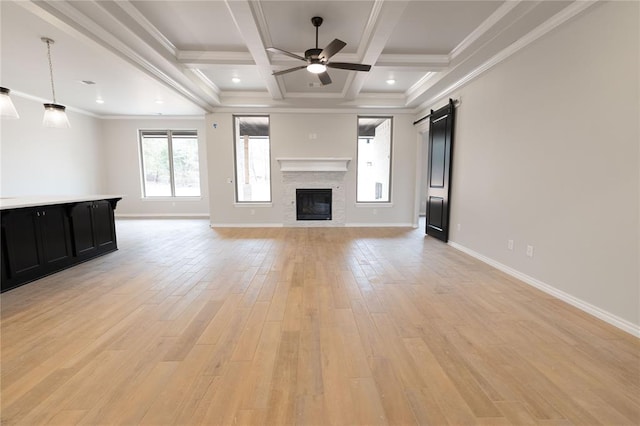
99,101
236,80
391,81
159,101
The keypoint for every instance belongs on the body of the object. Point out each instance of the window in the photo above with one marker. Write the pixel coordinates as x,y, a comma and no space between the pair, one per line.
170,163
253,159
374,160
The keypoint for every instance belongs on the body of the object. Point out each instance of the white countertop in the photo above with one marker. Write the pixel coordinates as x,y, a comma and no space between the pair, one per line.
47,200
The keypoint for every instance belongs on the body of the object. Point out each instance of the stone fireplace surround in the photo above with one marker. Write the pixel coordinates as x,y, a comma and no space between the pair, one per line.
316,173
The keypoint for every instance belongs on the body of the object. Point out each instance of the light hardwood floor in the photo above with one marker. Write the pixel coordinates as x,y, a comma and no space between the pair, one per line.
189,325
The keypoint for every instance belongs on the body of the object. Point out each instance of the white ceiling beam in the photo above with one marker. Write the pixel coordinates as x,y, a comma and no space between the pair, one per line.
144,23
484,27
382,21
424,62
248,26
403,62
202,58
154,40
548,25
65,16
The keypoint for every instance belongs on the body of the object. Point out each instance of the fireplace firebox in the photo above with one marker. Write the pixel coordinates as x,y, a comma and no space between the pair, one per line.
313,204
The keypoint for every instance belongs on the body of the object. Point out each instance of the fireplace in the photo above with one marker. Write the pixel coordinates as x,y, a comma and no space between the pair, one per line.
313,204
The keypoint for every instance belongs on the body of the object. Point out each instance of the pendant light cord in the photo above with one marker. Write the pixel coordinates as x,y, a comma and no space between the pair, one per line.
53,90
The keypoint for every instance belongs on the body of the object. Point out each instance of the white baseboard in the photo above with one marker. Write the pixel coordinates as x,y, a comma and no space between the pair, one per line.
162,215
378,225
280,225
246,225
597,312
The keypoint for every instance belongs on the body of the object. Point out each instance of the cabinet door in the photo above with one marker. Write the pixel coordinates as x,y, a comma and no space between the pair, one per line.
103,226
56,241
82,224
20,228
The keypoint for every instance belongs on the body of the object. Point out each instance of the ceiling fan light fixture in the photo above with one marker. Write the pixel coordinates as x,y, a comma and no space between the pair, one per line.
7,109
316,68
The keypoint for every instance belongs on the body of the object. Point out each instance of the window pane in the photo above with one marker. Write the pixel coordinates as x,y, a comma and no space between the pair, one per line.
374,159
253,161
155,159
186,169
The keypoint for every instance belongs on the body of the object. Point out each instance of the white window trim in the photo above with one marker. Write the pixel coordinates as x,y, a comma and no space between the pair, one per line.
236,202
391,168
173,197
373,204
253,204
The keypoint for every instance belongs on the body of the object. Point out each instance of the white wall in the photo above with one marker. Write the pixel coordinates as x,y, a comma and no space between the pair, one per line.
336,136
122,158
37,160
546,154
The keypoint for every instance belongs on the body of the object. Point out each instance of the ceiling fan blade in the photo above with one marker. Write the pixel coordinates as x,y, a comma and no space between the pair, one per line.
332,48
349,66
324,78
284,52
289,70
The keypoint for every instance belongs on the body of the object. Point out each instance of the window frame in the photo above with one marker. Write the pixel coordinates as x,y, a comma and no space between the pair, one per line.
269,202
389,202
169,135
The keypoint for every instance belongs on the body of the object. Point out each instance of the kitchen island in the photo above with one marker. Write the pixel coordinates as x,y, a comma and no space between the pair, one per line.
43,235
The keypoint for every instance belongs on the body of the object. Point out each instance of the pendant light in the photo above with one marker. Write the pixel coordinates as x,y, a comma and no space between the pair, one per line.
7,109
54,114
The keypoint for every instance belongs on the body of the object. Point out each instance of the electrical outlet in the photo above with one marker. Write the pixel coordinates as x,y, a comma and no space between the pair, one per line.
529,251
253,211
458,227
510,245
375,211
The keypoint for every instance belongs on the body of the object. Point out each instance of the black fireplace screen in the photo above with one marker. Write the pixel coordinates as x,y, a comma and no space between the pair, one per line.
313,204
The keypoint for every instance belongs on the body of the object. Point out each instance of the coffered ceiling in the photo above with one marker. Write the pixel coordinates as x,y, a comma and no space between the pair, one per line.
192,57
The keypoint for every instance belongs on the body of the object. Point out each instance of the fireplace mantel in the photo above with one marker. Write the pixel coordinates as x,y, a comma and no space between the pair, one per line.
325,164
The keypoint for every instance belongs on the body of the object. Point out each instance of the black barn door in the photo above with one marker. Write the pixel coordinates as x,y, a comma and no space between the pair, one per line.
438,188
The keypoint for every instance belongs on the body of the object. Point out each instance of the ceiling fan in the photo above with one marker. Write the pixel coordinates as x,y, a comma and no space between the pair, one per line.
318,59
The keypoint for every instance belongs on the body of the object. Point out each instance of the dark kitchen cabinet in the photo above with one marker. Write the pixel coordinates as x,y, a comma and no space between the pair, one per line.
36,242
93,228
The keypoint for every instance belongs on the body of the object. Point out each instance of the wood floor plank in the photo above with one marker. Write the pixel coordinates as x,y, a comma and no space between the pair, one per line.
187,325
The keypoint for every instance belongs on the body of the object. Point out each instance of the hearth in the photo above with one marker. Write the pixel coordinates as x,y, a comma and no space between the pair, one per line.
313,204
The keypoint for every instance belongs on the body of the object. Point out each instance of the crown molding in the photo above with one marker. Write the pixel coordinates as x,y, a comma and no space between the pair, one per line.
292,110
485,26
559,18
63,15
205,80
411,60
151,29
153,117
46,101
416,86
